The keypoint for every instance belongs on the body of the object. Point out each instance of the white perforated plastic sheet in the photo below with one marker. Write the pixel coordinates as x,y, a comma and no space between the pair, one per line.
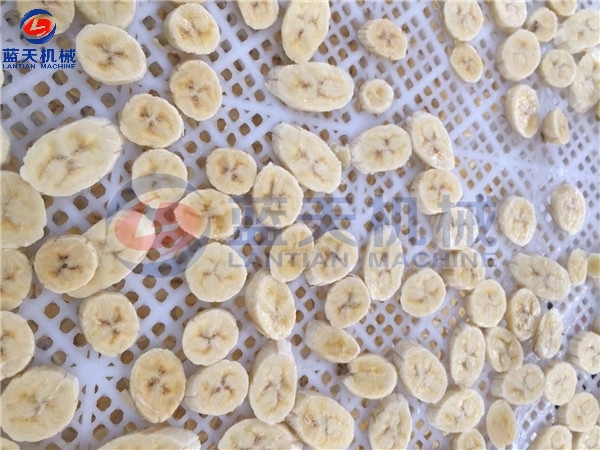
492,161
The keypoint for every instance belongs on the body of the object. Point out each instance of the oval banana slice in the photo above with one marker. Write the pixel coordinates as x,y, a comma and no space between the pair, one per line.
16,278
347,302
579,32
390,423
17,344
376,96
369,376
564,8
517,221
555,437
209,336
258,435
555,128
304,27
119,13
580,413
464,269
62,11
430,140
502,349
521,386
458,411
422,292
383,264
383,38
543,23
231,171
192,29
463,19
508,15
558,68
196,89
260,14
523,314
548,336
466,62
583,92
501,424
433,188
567,207
593,267
381,148
159,438
522,110
584,351
588,440
560,382
290,252
486,304
466,354
544,277
519,54
468,440
331,344
333,257
455,229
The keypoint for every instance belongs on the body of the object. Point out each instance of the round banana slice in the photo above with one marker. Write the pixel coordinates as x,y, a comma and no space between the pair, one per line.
466,354
580,413
381,148
158,438
455,229
259,15
376,96
191,29
216,273
209,336
523,314
463,19
521,386
347,302
548,336
383,38
544,277
466,62
501,424
464,269
383,263
62,11
435,188
196,89
555,128
109,322
583,92
584,351
109,54
303,29
577,266
563,8
486,304
231,171
7,444
150,121
502,349
567,207
331,344
258,435
560,382
157,384
555,437
593,266
4,141
543,23
516,217
117,13
333,257
422,292
270,304
509,15
558,68
320,421
588,440
468,440
290,252
518,55
522,110
458,411
217,389
579,32
369,376
17,344
430,140
66,263
39,403
16,278
390,423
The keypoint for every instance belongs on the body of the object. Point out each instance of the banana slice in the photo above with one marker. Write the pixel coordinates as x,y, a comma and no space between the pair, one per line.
463,19
157,384
39,403
119,13
466,354
589,440
558,68
580,413
216,273
458,411
63,12
290,252
544,277
376,96
260,14
191,29
109,322
555,128
208,213
584,92
516,218
257,435
434,188
383,38
469,440
311,86
196,89
422,374
464,269
217,389
390,423
502,349
555,437
543,23
567,207
342,152
333,257
158,177
331,344
273,381
109,54
584,351
522,110
548,336
209,336
347,302
231,171
422,292
430,140
369,376
17,344
159,438
16,278
4,140
564,8
560,382
523,314
381,148
486,304
579,32
577,267
320,421
501,424
509,15
270,304
304,27
6,444
383,264
521,386
518,55
466,62
307,156
455,229
276,197
593,267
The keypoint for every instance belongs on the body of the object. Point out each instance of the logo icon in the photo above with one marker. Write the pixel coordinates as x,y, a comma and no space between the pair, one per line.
37,26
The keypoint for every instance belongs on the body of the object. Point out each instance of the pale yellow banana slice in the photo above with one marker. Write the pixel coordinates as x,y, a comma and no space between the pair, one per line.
304,27
521,386
468,440
458,411
290,252
502,349
383,263
119,13
342,152
518,55
311,86
548,336
563,8
65,263
208,213
558,68
593,269
209,336
584,92
567,207
16,278
509,15
383,38
217,389
333,257
522,110
196,89
109,54
390,423
422,292
577,267
231,170
4,144
273,381
381,148
466,354
159,438
555,128
588,440
307,157
257,435
259,14
555,437
523,314
270,304
276,196
580,413
321,422
369,376
544,277
216,273
421,373
579,32
157,384
455,229
6,444
486,304
543,23
501,424
109,322
434,188
376,96
464,269
331,344
466,62
463,19
516,218
191,29
560,382
17,344
39,403
430,140
63,11
347,302
584,351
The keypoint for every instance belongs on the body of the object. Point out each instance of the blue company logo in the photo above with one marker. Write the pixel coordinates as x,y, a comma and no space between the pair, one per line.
36,28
